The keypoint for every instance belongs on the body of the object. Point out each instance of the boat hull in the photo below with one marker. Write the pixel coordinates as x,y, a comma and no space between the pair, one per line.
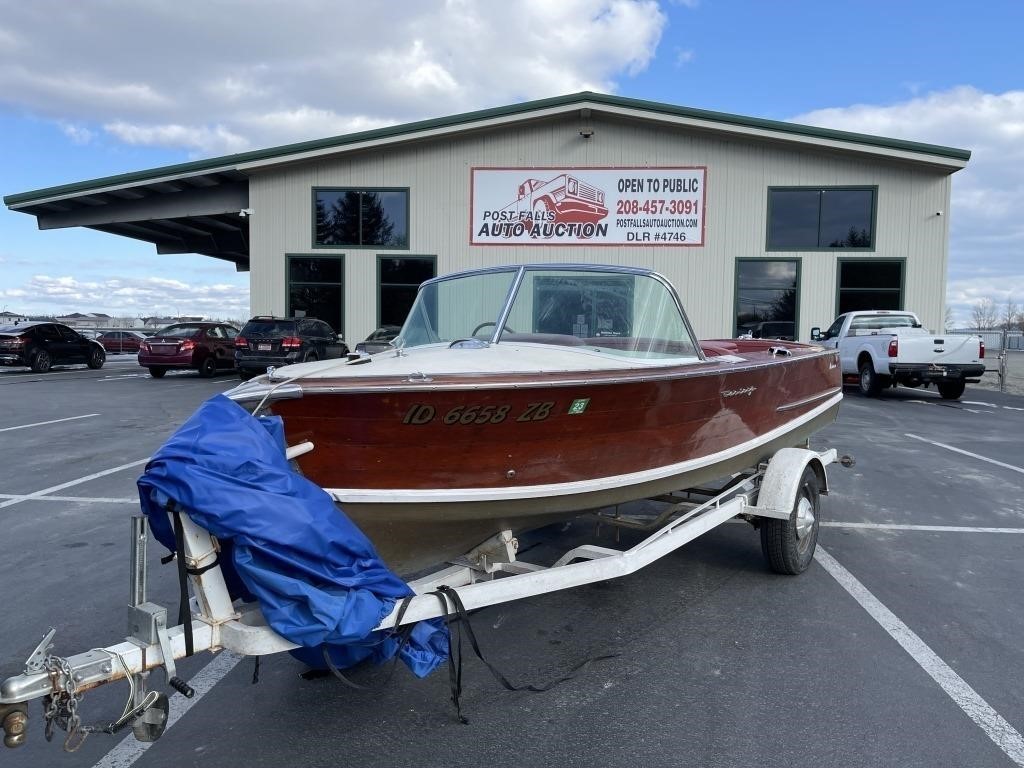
429,469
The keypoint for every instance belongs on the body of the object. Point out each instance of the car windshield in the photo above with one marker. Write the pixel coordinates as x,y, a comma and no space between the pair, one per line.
620,311
269,328
180,330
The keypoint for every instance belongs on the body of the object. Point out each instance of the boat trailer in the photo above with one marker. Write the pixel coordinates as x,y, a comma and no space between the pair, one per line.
780,497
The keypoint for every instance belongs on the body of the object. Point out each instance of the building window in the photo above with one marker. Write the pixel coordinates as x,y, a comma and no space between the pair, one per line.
820,219
398,279
316,288
767,293
876,284
361,218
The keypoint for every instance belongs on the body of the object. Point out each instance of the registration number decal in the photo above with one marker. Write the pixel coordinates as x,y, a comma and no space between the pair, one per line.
478,414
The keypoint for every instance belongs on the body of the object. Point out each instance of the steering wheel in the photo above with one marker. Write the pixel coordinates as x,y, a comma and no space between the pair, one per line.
480,327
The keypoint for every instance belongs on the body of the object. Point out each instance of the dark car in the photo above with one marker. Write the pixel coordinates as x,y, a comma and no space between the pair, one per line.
116,342
276,341
204,347
43,345
380,340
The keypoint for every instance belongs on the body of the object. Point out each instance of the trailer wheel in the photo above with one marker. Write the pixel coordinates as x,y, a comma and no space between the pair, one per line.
788,545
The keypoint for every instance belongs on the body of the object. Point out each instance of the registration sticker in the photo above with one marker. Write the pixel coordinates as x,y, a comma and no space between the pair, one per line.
579,406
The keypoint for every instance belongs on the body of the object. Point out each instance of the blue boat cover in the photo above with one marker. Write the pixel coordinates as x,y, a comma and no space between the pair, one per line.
318,579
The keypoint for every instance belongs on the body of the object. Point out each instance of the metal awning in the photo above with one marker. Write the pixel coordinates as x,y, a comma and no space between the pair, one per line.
202,213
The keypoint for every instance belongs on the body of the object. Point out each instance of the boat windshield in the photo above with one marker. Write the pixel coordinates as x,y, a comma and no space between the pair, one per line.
624,313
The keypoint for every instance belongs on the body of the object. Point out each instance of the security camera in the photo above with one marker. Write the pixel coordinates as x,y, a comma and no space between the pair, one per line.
586,133
245,212
938,213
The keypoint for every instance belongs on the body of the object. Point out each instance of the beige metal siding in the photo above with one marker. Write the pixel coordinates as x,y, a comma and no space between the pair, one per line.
739,172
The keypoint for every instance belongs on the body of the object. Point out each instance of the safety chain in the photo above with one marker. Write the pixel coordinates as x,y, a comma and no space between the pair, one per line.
60,708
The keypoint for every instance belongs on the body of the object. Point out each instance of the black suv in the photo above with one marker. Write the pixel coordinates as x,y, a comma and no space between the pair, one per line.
42,345
266,341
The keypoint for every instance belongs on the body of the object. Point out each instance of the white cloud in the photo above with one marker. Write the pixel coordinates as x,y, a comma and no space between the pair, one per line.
684,57
137,297
78,134
231,74
207,140
986,227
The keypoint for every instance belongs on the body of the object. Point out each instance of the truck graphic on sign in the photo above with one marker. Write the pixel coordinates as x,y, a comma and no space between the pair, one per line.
562,200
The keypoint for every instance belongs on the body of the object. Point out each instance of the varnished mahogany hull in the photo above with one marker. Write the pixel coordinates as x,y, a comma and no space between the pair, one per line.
430,470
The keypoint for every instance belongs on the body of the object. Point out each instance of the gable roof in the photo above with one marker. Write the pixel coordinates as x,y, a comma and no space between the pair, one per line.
582,100
202,206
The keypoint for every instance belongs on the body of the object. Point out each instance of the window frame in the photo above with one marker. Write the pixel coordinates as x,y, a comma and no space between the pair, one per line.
376,246
903,279
340,257
873,188
380,285
736,288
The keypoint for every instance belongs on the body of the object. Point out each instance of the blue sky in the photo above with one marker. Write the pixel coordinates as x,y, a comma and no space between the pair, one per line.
88,90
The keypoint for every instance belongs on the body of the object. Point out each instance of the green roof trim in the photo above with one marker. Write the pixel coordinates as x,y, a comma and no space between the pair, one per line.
228,162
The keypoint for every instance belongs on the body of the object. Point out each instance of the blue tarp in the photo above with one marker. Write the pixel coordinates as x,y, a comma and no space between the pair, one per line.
317,578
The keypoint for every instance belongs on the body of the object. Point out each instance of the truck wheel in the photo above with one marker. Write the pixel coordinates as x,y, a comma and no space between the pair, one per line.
870,382
788,545
951,390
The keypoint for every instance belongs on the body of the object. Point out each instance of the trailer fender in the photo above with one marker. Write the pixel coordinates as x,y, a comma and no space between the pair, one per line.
782,480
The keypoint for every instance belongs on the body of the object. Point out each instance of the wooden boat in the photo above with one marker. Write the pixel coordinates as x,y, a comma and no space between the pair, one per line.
518,396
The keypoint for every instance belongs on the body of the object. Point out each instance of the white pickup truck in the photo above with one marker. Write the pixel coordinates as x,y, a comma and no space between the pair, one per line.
884,348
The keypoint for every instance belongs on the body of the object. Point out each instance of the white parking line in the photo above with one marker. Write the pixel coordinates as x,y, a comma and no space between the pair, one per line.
70,483
130,750
936,528
74,499
966,453
996,728
52,421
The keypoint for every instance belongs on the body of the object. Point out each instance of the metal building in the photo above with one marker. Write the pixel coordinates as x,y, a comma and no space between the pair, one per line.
763,226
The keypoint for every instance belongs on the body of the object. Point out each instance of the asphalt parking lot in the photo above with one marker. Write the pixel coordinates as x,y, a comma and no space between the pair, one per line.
899,646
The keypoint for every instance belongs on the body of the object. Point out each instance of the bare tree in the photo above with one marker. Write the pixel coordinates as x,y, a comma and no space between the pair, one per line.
985,315
947,322
1011,315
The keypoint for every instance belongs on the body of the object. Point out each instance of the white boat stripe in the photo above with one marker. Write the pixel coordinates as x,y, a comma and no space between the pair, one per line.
991,722
966,453
130,750
52,421
70,483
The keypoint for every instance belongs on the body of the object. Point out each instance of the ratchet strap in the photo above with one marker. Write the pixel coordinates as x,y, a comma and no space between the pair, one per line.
459,619
403,636
184,571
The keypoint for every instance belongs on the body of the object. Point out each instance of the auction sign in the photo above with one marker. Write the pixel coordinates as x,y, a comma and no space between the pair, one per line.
588,206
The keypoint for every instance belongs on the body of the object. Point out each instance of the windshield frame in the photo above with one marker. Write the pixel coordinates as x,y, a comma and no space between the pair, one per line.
517,282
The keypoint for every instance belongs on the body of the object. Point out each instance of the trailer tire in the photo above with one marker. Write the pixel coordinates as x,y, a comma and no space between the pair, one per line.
870,382
951,390
788,545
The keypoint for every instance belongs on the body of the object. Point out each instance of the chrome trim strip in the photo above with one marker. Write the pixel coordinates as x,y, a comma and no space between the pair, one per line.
322,386
808,400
